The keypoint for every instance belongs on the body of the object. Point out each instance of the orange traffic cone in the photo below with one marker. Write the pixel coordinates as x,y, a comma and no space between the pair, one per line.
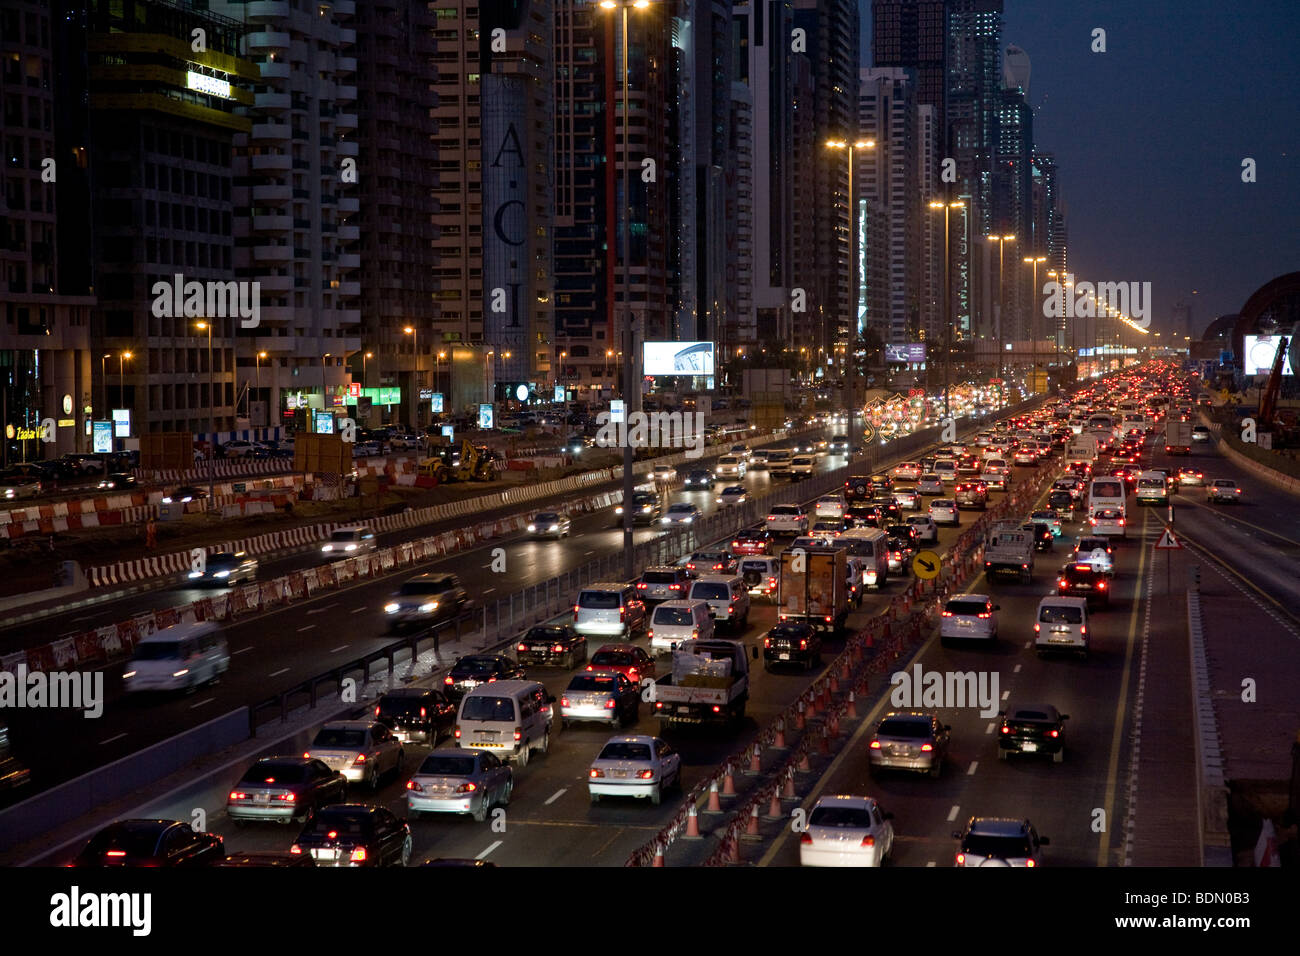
853,710
774,805
834,684
752,829
756,760
693,824
824,744
803,762
715,805
779,742
787,791
728,783
799,722
659,856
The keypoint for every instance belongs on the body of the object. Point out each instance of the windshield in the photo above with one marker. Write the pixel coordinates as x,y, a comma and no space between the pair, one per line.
447,766
275,771
603,600
966,607
1108,489
424,587
475,665
914,729
786,510
659,577
759,566
1001,847
482,707
547,516
681,509
673,616
134,842
388,706
596,682
344,823
707,591
625,751
611,659
851,817
341,738
1056,614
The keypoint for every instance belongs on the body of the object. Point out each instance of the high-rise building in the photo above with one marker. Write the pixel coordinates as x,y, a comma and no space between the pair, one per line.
913,34
45,230
165,117
714,234
974,87
742,329
1013,202
296,214
396,155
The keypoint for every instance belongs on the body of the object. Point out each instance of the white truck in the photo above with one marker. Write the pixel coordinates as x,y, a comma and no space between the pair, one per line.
814,587
1009,549
709,682
1178,438
1081,448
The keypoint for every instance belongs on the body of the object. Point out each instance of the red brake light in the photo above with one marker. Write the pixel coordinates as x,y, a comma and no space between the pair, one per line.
361,758
868,840
947,613
115,853
557,648
609,704
359,855
1030,863
1006,729
295,849
520,647
646,774
926,748
875,744
412,785
519,733
1101,585
717,709
447,680
1053,733
236,795
805,838
376,710
961,858
467,788
593,772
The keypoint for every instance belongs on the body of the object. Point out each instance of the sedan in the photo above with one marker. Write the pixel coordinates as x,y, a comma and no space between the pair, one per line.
846,830
1223,489
700,479
284,788
459,781
712,562
634,766
117,481
362,750
552,644
752,541
626,659
603,696
1084,581
909,740
1049,518
226,567
416,714
546,524
733,495
19,486
681,513
930,484
1200,433
909,499
944,511
907,470
1032,728
468,672
185,493
150,843
926,530
664,473
350,834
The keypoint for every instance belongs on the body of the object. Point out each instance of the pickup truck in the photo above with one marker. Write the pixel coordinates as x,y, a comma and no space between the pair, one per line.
709,682
1178,438
1010,549
813,587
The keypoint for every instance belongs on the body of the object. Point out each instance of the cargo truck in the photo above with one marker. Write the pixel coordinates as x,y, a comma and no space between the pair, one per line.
813,587
1009,549
1178,438
709,682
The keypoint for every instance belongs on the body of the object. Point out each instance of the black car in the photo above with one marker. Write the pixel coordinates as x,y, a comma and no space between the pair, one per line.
861,514
117,481
792,643
185,493
890,513
35,470
416,714
1062,502
1085,581
646,509
151,843
266,858
700,479
1044,540
552,644
353,834
1032,728
468,672
281,789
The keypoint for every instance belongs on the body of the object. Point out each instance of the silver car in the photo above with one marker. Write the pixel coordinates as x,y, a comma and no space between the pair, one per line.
635,766
681,513
944,511
604,696
909,740
361,750
226,567
930,484
282,788
549,523
459,781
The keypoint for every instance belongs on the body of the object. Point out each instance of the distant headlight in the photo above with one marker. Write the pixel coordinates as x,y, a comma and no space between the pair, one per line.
222,574
391,608
645,509
196,574
533,527
181,673
688,520
426,608
167,500
128,675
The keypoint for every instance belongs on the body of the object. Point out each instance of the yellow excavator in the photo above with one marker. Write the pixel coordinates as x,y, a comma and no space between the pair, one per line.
466,463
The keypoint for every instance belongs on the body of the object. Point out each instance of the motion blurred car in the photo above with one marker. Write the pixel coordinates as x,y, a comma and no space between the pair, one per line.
909,740
802,465
645,508
1031,729
733,495
603,696
451,780
546,524
700,478
1223,489
281,789
422,714
1051,519
1062,503
634,766
118,481
681,513
1096,551
1191,476
556,644
1200,434
909,499
362,750
846,830
424,600
350,834
730,466
350,541
468,672
999,841
185,493
226,567
786,519
1044,539
971,494
150,843
664,473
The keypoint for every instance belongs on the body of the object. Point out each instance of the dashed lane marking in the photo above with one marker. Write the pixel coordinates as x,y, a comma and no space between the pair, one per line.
490,848
952,814
970,772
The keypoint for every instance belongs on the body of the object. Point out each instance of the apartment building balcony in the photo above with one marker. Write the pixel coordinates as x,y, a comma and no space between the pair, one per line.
273,102
349,204
275,70
346,64
269,41
349,233
273,194
275,285
347,147
278,255
345,93
263,11
271,132
269,223
349,260
272,162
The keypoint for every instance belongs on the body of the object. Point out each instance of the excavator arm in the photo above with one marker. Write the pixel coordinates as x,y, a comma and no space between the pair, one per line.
1268,401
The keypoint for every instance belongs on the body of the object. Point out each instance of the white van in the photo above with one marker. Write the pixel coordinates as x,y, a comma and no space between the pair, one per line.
1152,488
727,597
871,547
511,718
677,621
1061,624
179,657
1107,492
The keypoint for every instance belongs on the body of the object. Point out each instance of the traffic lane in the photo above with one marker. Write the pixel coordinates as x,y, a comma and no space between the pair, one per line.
975,781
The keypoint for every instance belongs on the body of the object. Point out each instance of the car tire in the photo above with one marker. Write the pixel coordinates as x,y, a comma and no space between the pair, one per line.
522,757
480,814
1002,754
564,723
372,779
408,846
1059,756
504,799
546,742
657,796
595,798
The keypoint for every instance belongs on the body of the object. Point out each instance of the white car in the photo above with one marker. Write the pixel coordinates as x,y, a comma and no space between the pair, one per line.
238,448
802,465
786,519
1223,489
946,469
1062,625
829,506
349,542
361,750
634,766
664,473
969,617
681,513
846,830
1095,551
1107,522
733,495
909,499
925,527
930,485
906,470
1026,454
730,466
944,511
741,451
547,523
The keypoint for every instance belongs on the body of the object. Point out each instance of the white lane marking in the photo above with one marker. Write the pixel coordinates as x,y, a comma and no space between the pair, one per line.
241,650
111,739
971,770
321,610
1029,643
952,814
931,863
1006,694
309,627
283,670
202,702
1016,670
337,649
358,610
492,847
556,795
488,590
989,728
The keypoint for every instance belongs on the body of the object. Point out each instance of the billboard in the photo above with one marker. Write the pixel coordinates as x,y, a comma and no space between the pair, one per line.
909,352
1261,353
678,358
437,404
103,442
324,422
121,423
486,416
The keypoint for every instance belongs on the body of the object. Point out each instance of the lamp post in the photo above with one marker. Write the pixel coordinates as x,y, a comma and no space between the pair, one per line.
437,376
853,264
632,391
1002,242
212,422
415,347
103,384
947,208
121,378
1033,262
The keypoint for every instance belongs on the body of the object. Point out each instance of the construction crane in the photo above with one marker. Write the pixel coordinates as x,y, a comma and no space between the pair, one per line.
1268,398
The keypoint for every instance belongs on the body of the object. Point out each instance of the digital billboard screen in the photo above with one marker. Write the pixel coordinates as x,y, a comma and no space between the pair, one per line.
909,352
678,358
1261,352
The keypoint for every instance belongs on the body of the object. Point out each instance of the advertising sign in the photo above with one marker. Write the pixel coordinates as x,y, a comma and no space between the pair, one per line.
617,411
559,393
436,399
449,431
909,352
486,415
1261,352
678,358
324,423
121,423
354,389
103,438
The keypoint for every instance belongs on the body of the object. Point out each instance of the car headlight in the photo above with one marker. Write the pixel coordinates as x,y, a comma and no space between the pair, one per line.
665,520
181,673
351,547
430,606
688,519
328,547
391,608
222,574
555,527
533,527
645,510
127,675
618,510
196,574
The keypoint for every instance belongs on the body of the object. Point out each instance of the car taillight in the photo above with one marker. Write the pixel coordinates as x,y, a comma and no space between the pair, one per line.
875,744
1121,521
961,858
519,733
985,615
457,732
412,785
359,855
361,758
868,840
593,772
805,838
641,586
947,613
448,681
1053,733
521,648
646,775
236,795
467,788
926,748
1006,729
609,704
633,674
1030,863
1037,628
295,850
622,614
717,709
1062,583
376,710
1101,585
674,587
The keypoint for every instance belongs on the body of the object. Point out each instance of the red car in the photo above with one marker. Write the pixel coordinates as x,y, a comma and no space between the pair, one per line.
752,541
626,659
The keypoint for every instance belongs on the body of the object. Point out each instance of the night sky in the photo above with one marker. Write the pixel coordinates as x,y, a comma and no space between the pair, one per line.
1150,135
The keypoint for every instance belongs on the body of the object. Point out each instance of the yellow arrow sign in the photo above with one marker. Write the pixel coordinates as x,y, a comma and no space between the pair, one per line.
926,565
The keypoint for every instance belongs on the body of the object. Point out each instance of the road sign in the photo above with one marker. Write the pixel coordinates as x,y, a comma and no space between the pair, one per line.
926,565
1168,542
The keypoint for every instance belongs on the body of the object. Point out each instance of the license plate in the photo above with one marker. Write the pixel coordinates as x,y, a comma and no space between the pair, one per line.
1062,639
1029,746
262,798
539,649
783,657
327,854
620,773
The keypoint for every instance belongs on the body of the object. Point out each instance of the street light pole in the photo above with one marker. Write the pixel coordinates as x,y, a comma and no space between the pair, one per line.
212,423
947,301
103,386
853,271
1002,298
1033,261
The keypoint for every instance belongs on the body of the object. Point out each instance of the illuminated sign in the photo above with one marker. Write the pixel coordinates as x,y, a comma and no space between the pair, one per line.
436,399
202,83
385,395
67,404
449,431
559,393
521,392
67,422
1261,353
678,358
485,416
354,389
910,352
617,411
121,423
324,423
103,442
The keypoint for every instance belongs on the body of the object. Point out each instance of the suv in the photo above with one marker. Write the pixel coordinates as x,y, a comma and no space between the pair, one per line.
609,610
424,599
711,562
727,597
972,494
793,642
1032,729
999,841
1094,550
700,479
752,541
350,541
1084,581
787,519
416,713
761,575
664,583
677,621
970,616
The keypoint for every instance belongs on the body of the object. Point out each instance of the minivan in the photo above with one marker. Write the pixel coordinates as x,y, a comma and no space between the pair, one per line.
511,718
1062,625
179,657
609,610
727,597
677,621
871,547
778,461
